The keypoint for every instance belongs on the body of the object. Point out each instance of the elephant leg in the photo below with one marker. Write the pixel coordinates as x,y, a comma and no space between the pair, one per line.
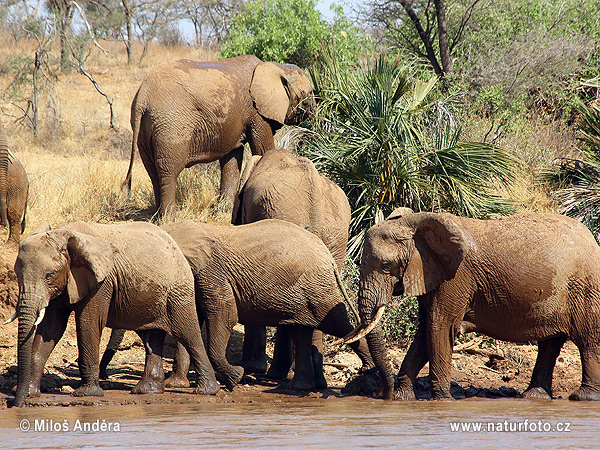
116,336
186,330
89,329
304,373
254,357
230,174
218,336
540,385
590,367
283,354
48,333
181,366
153,174
152,381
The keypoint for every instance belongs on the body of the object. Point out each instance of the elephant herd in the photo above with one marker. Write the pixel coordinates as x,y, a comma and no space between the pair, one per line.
527,277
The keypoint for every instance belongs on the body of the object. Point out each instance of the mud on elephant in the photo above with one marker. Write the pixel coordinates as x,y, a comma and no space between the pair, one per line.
279,185
188,112
268,273
527,277
130,276
14,190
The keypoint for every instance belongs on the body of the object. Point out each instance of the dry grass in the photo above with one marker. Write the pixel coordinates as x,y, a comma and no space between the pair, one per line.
76,164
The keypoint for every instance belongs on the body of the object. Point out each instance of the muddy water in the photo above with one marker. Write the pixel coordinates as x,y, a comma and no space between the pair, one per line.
347,423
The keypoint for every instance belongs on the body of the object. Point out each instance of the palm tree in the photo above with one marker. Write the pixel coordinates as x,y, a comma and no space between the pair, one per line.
382,138
577,181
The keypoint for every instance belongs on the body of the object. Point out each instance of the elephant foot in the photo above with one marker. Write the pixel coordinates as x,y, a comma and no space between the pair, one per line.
442,395
148,386
254,366
301,384
586,392
233,377
276,373
89,390
536,392
177,381
406,393
33,391
207,387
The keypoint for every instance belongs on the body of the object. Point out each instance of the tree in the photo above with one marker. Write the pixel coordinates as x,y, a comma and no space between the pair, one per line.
285,31
427,20
62,12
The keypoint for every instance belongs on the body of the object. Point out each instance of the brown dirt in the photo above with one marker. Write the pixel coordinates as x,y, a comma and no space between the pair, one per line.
481,370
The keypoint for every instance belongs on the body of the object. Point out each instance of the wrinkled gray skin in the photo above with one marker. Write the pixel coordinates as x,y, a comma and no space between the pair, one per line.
14,189
268,273
279,185
188,112
130,276
527,277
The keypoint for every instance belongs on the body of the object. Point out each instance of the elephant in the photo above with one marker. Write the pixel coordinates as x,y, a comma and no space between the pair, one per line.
267,273
188,112
14,190
525,277
278,185
129,276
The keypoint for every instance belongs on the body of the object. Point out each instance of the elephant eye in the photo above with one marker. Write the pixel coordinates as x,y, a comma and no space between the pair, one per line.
385,267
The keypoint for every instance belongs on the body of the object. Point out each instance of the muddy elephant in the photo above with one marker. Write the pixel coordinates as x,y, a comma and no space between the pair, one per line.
129,276
187,112
527,277
279,185
268,273
14,189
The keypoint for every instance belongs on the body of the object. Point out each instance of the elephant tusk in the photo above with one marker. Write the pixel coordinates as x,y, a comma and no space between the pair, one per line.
12,319
40,316
358,333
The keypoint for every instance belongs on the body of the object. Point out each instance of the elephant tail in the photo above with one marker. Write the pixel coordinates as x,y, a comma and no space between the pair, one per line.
350,303
4,162
137,111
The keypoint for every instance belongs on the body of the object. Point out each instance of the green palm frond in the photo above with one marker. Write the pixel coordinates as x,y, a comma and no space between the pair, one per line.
381,136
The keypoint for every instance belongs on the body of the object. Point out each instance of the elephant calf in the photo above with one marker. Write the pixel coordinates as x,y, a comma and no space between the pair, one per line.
129,276
268,273
527,277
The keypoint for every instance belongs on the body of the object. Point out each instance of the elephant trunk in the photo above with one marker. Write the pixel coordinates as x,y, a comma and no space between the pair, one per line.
27,319
376,344
30,312
375,293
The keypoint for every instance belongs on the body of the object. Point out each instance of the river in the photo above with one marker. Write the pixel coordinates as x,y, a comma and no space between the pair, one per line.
336,423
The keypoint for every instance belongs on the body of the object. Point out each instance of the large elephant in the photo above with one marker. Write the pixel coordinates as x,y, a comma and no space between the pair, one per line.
268,273
527,277
279,185
130,276
14,189
187,112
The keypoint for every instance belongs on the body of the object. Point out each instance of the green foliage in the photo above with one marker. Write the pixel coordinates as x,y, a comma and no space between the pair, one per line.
285,31
401,320
387,143
577,181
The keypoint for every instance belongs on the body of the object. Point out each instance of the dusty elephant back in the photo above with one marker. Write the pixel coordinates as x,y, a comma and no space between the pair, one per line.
282,186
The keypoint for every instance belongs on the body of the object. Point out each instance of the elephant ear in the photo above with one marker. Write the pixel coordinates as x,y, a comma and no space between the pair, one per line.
92,259
195,242
269,91
439,248
399,212
43,228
